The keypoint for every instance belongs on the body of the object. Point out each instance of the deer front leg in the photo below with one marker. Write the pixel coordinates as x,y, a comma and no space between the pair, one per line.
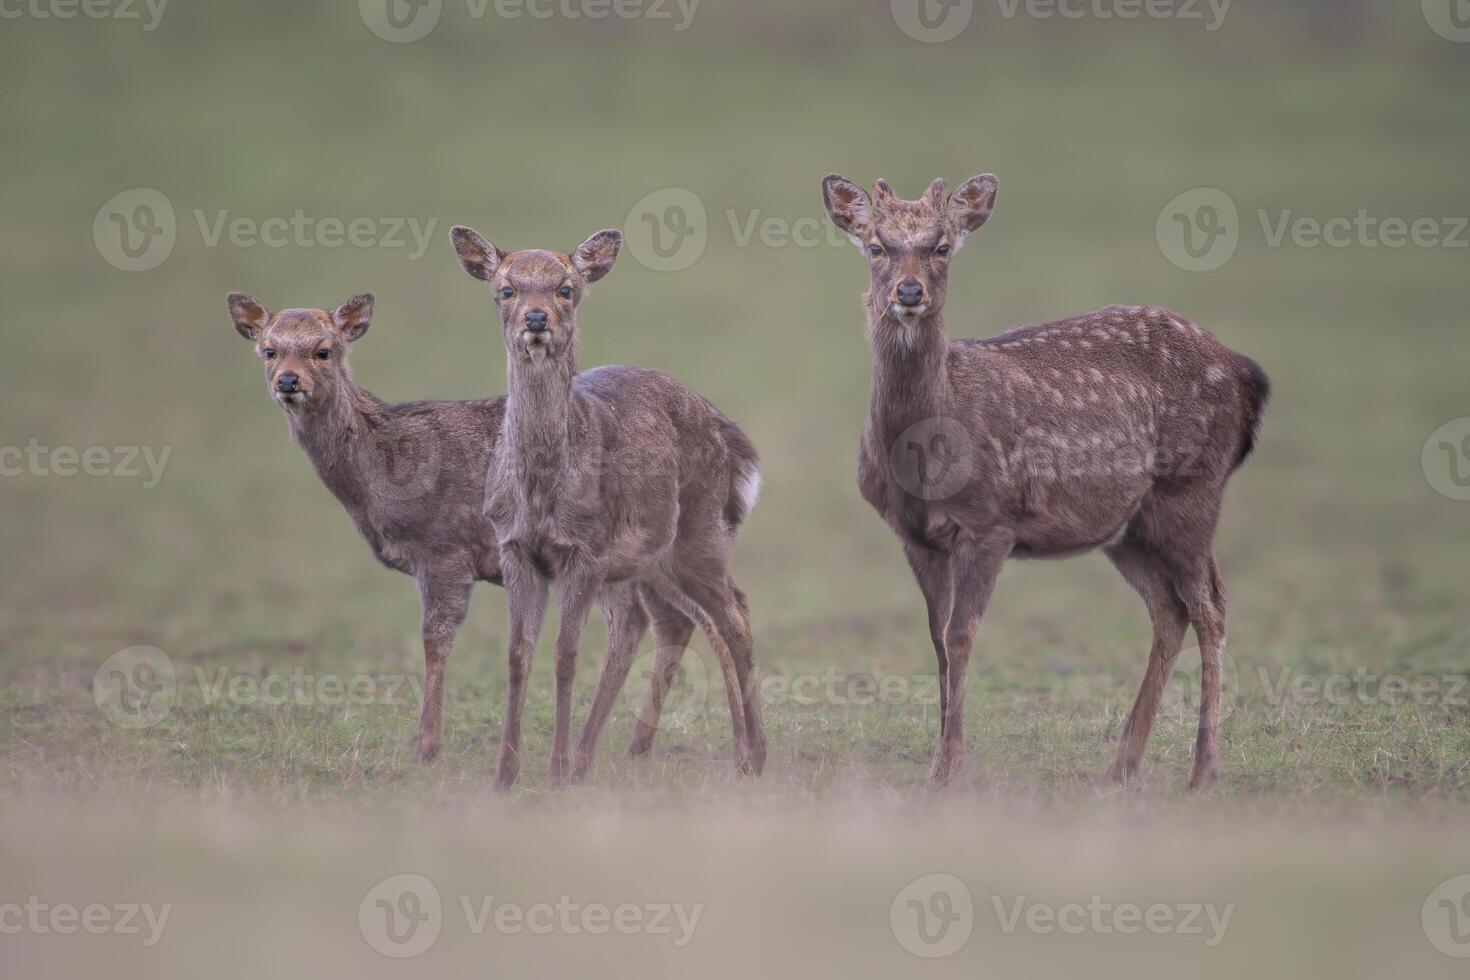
576,586
974,566
931,569
445,601
525,591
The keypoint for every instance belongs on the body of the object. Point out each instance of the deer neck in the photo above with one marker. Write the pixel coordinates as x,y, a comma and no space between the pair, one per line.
540,415
334,435
910,372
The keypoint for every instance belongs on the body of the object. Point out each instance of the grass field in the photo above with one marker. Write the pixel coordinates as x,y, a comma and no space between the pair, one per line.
263,807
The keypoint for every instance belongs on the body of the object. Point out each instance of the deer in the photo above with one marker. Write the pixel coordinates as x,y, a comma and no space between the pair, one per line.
617,478
1114,430
411,477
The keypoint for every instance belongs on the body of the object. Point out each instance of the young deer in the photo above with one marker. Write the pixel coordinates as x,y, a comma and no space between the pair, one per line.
620,478
1115,430
412,477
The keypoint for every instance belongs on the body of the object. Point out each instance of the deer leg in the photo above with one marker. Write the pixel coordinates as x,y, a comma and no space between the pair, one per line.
576,587
626,624
975,566
525,591
931,569
744,650
728,631
445,603
671,634
1203,593
1145,573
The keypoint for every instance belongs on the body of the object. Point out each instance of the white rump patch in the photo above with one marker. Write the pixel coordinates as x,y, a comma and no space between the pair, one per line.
749,488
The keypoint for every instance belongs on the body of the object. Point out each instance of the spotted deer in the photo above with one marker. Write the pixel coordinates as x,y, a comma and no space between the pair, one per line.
619,480
1115,430
411,476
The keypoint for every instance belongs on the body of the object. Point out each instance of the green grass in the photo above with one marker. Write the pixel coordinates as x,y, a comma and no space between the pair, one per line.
270,821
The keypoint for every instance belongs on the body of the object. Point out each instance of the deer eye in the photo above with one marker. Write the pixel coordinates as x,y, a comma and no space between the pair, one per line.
875,250
506,292
942,250
269,353
323,354
565,292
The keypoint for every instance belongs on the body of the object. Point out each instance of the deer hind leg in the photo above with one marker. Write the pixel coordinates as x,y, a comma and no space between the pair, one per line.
1144,571
446,602
672,631
931,569
715,607
1203,593
626,624
749,681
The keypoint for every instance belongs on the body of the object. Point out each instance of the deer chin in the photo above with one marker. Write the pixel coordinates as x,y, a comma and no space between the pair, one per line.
292,402
537,346
907,314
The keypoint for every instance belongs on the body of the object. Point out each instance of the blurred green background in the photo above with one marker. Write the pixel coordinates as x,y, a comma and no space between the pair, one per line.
1339,552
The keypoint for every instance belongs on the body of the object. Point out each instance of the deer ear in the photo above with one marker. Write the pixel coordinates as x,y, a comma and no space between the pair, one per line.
479,258
848,206
934,196
971,203
249,316
353,316
594,258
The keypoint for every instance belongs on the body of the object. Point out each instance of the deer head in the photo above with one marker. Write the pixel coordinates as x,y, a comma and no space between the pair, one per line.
304,351
537,291
908,243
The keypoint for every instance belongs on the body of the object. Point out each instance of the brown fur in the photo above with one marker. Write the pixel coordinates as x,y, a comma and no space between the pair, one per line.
1115,430
412,476
620,478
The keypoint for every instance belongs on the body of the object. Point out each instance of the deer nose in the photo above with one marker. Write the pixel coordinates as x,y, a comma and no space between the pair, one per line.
536,321
287,382
910,292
